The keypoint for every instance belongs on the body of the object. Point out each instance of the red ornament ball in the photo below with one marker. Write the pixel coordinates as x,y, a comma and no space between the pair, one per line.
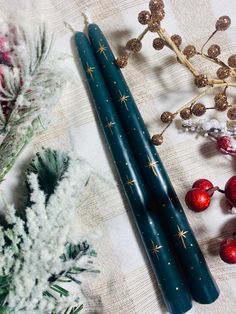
224,144
197,200
228,251
203,184
230,191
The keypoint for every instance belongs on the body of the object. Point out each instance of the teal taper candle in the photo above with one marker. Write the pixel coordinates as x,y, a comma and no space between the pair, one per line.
156,245
170,211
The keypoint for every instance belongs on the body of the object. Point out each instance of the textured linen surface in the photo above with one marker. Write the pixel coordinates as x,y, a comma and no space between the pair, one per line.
126,283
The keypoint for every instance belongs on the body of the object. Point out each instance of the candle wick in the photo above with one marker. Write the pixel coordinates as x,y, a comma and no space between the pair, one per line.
87,16
69,26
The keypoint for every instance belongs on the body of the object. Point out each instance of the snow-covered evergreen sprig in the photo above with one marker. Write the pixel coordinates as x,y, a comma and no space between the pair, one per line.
36,253
31,81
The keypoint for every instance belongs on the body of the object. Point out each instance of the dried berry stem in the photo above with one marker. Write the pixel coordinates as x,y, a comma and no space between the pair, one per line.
195,99
225,71
181,57
224,84
214,60
213,34
141,36
206,91
198,97
166,127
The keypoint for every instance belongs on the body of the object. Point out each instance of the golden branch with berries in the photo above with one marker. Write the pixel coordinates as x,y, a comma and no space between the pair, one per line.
225,75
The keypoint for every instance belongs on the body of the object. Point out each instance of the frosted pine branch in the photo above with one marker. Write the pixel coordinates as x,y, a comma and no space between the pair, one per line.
35,256
31,81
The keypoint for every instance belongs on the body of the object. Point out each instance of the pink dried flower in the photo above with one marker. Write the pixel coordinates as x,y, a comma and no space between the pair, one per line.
4,44
5,56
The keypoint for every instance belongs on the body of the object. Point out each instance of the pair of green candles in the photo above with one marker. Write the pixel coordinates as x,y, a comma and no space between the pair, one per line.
170,244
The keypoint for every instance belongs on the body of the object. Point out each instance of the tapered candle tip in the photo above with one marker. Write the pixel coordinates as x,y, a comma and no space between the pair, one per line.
87,16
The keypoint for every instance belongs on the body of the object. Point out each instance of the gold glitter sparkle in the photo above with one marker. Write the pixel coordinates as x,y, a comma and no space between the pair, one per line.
152,165
110,125
182,235
90,71
123,100
130,183
102,50
155,249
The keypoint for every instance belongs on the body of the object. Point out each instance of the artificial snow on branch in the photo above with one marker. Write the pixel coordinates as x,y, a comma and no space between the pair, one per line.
37,256
31,81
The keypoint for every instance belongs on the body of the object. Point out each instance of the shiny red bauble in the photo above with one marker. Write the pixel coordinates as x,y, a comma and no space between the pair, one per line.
204,184
228,251
230,191
224,144
197,199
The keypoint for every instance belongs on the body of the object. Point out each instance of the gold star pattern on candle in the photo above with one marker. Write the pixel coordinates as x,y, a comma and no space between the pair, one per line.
152,165
90,71
110,125
182,235
102,50
123,100
130,183
155,249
